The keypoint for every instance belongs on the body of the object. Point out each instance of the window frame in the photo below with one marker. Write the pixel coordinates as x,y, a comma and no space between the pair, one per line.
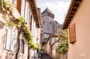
10,47
22,46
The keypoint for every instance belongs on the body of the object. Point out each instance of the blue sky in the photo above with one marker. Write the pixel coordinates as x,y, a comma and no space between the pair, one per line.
58,7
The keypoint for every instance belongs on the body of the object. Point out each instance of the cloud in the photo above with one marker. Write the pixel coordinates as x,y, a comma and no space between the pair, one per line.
58,5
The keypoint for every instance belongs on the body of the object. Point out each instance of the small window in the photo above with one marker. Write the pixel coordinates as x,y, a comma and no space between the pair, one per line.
72,33
10,37
22,46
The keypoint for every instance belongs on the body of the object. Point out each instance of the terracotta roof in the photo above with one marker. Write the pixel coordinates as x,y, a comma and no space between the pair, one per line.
71,12
33,8
39,17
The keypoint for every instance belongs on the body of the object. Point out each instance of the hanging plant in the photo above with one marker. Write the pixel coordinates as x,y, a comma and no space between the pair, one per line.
2,3
10,24
27,34
33,45
63,47
19,21
7,22
6,5
38,47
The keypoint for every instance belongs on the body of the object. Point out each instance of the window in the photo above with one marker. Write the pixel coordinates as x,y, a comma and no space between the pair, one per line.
72,33
10,37
22,46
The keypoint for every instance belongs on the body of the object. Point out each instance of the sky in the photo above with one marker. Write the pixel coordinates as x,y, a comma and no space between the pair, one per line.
58,7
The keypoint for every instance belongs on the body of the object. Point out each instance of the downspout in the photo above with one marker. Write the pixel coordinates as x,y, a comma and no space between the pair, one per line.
28,52
18,43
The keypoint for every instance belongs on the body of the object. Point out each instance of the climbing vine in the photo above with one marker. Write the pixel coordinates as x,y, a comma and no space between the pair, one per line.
63,46
6,4
27,34
20,23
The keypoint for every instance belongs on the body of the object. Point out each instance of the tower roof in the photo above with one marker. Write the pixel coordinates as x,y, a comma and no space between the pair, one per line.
47,12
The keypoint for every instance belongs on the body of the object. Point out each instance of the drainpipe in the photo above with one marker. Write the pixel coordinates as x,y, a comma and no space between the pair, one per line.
18,43
28,52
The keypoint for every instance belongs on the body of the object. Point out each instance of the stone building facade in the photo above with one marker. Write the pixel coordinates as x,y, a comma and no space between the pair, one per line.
57,28
49,28
10,46
47,24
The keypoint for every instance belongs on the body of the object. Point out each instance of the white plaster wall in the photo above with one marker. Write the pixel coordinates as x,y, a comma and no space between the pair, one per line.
2,37
34,30
36,35
3,52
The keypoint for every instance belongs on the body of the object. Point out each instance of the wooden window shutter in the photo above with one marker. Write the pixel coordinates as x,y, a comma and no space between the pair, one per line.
72,33
19,5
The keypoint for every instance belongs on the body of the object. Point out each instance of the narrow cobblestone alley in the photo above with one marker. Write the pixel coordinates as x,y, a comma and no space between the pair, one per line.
44,29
